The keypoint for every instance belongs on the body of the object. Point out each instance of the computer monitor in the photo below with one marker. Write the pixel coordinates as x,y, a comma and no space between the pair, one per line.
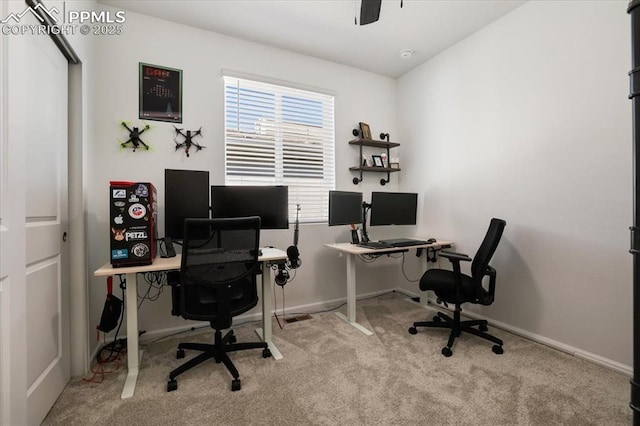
345,208
393,208
186,194
271,203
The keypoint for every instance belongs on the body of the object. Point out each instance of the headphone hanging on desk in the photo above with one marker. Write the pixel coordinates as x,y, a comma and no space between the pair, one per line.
282,276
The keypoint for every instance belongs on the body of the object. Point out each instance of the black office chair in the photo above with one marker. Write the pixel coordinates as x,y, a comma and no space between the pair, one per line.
458,288
217,282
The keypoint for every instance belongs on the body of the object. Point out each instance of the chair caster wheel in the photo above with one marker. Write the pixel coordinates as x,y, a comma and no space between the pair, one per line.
235,385
483,327
172,385
413,330
180,353
497,349
446,351
266,353
437,319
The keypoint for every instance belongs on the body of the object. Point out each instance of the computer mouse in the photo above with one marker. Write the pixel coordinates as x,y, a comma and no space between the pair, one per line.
431,240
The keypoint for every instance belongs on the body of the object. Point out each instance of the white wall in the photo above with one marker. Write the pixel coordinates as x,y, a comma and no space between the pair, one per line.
359,96
528,120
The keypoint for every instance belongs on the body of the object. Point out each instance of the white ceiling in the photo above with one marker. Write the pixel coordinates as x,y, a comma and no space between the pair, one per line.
325,28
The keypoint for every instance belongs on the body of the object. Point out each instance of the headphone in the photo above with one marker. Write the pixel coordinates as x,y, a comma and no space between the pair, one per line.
282,276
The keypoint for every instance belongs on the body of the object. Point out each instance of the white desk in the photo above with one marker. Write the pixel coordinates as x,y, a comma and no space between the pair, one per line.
352,251
134,353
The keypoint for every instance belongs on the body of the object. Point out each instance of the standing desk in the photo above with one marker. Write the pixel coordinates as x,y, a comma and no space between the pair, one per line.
134,353
352,251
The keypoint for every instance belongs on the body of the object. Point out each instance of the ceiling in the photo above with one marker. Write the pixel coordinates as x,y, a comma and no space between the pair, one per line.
326,29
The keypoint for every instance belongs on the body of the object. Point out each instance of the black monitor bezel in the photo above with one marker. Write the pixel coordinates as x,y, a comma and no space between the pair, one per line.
184,185
332,220
402,203
276,195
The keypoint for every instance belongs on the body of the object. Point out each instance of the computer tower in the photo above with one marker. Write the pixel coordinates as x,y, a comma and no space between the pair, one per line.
132,223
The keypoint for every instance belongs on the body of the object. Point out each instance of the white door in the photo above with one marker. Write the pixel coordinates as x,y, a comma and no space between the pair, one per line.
34,320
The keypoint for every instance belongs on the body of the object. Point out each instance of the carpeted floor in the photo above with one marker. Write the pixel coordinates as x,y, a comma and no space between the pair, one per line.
333,374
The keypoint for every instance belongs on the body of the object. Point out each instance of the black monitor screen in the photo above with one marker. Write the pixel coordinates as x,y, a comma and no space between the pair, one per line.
271,203
345,207
186,194
393,208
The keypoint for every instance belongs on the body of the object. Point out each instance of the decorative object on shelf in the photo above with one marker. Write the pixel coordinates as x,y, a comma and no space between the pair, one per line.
160,93
385,160
394,163
377,161
134,137
188,140
365,131
365,162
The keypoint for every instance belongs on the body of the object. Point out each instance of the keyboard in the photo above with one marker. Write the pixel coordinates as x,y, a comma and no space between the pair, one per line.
375,245
404,242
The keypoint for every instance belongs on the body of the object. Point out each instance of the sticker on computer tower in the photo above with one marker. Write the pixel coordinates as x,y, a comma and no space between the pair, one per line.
142,191
119,193
119,254
118,234
137,211
135,235
140,250
118,220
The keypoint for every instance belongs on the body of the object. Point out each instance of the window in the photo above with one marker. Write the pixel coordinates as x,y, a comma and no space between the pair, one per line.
276,135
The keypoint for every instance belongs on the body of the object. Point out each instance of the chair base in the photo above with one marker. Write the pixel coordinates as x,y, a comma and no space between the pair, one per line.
219,352
442,320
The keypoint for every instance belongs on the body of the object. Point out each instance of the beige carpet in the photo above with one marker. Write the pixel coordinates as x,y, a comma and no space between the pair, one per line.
333,374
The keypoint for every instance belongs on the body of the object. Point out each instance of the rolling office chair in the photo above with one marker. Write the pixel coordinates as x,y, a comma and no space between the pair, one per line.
217,282
458,288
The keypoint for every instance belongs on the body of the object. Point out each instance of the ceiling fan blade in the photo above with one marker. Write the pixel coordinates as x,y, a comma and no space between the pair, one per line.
369,11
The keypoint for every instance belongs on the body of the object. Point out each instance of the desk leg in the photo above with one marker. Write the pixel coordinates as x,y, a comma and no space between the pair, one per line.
351,296
267,291
134,354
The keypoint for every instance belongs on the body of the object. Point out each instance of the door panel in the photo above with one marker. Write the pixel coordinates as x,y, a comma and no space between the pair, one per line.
47,283
34,295
43,334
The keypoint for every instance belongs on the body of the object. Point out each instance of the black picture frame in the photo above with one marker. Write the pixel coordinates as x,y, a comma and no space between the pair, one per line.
160,93
377,161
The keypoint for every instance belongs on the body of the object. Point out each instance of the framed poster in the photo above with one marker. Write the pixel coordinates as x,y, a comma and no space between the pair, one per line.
160,93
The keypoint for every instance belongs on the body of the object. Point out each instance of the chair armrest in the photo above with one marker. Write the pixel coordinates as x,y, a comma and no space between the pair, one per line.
455,259
455,256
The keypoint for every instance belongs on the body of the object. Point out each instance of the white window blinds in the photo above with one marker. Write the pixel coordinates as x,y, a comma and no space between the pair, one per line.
276,135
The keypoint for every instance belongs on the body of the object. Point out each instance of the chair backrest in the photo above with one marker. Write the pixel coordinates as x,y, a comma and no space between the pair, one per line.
219,268
487,248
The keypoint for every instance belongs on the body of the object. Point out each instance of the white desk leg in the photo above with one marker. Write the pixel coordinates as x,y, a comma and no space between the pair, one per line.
265,331
134,354
351,296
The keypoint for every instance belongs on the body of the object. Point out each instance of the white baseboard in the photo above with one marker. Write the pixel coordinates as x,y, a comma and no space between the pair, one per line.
571,350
